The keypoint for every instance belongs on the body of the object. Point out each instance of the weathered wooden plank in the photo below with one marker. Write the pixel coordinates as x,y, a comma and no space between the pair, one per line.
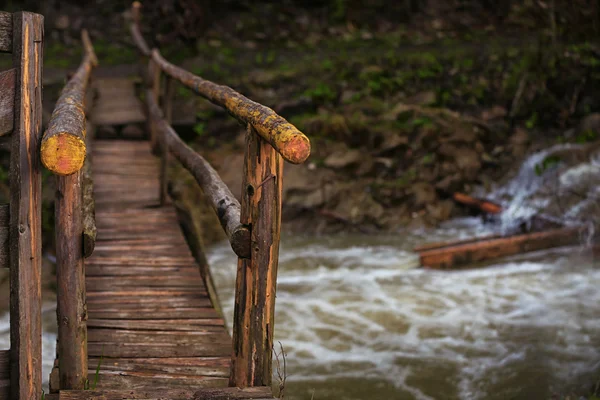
143,380
63,145
469,253
157,350
202,366
156,313
159,338
255,393
157,271
110,283
156,292
158,324
25,209
126,260
70,277
223,202
134,303
4,235
6,32
7,98
257,277
289,142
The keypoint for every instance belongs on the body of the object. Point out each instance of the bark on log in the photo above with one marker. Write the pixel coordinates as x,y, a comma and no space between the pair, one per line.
63,144
481,204
453,256
292,144
222,200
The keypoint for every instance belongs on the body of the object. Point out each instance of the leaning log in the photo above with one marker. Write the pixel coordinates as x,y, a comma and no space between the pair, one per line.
461,254
481,204
292,144
226,206
63,144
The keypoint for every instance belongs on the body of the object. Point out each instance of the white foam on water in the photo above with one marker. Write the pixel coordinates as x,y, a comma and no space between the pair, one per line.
351,310
48,340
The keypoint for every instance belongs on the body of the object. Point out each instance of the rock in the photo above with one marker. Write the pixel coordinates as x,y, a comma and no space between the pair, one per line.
590,123
343,158
493,113
390,143
518,142
441,211
468,163
424,193
520,137
301,199
298,106
359,207
427,98
450,184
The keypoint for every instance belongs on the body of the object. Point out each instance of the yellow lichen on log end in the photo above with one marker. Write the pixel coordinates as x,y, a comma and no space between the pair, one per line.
63,153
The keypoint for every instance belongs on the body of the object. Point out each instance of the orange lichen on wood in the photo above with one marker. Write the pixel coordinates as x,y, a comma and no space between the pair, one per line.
292,144
63,145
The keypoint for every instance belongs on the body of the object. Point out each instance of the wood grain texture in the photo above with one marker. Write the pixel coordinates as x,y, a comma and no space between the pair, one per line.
6,32
5,375
220,197
88,210
70,279
4,236
63,143
7,101
25,209
257,277
164,147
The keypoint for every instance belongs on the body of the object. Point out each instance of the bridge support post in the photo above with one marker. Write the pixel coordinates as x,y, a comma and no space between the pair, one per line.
257,276
70,277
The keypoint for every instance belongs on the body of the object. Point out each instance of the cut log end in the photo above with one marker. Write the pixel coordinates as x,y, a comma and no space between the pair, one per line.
63,153
240,242
295,149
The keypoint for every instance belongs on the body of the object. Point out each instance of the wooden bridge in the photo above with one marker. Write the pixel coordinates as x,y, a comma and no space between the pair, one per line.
137,312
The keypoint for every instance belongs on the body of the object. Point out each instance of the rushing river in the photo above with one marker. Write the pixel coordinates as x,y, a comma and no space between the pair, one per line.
358,320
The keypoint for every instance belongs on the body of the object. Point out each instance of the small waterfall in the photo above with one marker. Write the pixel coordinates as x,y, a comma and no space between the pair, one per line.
562,193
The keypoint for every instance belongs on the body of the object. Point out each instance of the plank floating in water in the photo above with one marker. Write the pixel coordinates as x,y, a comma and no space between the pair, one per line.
459,254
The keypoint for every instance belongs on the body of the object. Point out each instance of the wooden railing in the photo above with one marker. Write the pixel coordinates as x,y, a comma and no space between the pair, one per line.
22,34
253,228
63,151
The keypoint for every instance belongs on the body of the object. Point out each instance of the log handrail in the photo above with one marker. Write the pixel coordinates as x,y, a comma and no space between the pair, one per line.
292,144
224,203
63,144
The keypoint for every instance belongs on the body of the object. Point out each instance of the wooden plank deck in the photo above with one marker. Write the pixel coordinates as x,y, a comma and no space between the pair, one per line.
151,324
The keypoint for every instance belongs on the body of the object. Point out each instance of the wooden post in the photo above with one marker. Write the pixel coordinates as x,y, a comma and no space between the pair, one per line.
25,210
155,75
164,146
70,276
257,276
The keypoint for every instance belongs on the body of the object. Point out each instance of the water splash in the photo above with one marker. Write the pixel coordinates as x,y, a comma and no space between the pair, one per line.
349,310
